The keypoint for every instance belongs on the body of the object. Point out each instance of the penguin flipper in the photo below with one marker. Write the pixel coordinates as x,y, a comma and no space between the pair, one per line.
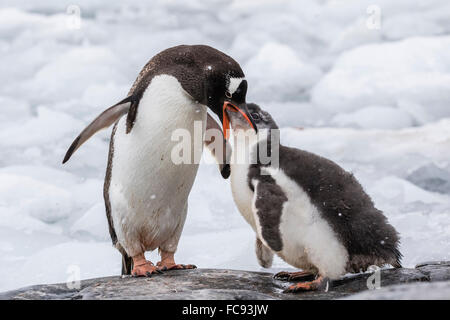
267,209
104,120
263,254
221,150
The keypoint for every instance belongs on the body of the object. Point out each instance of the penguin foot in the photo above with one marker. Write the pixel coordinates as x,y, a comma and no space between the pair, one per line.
174,266
168,262
295,276
320,283
144,269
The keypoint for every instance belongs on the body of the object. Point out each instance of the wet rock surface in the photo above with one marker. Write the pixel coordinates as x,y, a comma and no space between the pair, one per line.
429,280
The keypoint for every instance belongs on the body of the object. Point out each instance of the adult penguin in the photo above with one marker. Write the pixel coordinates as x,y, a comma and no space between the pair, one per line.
145,192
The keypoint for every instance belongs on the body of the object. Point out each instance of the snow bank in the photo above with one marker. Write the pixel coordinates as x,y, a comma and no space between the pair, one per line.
279,74
412,75
375,117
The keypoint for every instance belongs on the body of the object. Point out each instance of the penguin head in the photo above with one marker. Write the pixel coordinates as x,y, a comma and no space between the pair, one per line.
261,119
211,77
226,87
225,91
266,132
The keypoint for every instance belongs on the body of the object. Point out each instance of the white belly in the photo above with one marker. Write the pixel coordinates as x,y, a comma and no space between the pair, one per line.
308,239
148,191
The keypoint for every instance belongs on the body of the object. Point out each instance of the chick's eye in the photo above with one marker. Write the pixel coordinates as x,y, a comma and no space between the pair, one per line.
255,116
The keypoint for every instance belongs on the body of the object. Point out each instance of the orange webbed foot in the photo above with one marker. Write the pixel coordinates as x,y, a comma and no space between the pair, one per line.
320,283
168,262
174,266
145,270
143,267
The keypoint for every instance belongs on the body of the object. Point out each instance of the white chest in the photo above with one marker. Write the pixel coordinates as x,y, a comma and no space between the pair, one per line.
242,194
307,238
166,113
146,182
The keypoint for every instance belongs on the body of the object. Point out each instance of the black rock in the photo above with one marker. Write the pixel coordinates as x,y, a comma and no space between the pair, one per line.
241,285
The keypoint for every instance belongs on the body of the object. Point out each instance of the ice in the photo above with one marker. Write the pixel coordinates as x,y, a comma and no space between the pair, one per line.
85,260
42,201
50,82
374,100
415,71
431,177
394,189
375,117
39,130
278,73
93,224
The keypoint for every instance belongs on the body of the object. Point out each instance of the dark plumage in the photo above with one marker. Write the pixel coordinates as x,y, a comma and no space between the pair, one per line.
342,202
364,230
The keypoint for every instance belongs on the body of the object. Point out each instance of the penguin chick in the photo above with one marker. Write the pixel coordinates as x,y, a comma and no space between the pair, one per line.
305,208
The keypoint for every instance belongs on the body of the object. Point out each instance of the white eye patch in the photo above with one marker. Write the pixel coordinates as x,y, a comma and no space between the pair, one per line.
234,84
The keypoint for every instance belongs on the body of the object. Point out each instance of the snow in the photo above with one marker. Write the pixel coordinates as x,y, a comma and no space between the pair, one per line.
375,100
375,117
414,71
278,73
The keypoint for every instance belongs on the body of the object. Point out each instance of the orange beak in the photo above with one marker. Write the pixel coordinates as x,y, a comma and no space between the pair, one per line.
226,121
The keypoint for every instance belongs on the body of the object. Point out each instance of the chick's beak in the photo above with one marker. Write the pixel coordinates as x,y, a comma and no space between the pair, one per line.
226,120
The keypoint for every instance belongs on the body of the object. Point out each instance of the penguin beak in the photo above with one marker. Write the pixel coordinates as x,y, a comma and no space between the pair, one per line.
226,120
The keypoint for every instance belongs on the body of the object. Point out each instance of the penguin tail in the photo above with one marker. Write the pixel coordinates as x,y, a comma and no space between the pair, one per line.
127,261
127,264
398,257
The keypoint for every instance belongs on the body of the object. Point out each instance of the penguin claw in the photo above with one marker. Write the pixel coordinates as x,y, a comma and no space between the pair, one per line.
283,275
145,270
294,276
176,267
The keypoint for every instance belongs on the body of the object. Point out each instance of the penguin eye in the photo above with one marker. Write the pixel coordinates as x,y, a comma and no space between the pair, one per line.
255,116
